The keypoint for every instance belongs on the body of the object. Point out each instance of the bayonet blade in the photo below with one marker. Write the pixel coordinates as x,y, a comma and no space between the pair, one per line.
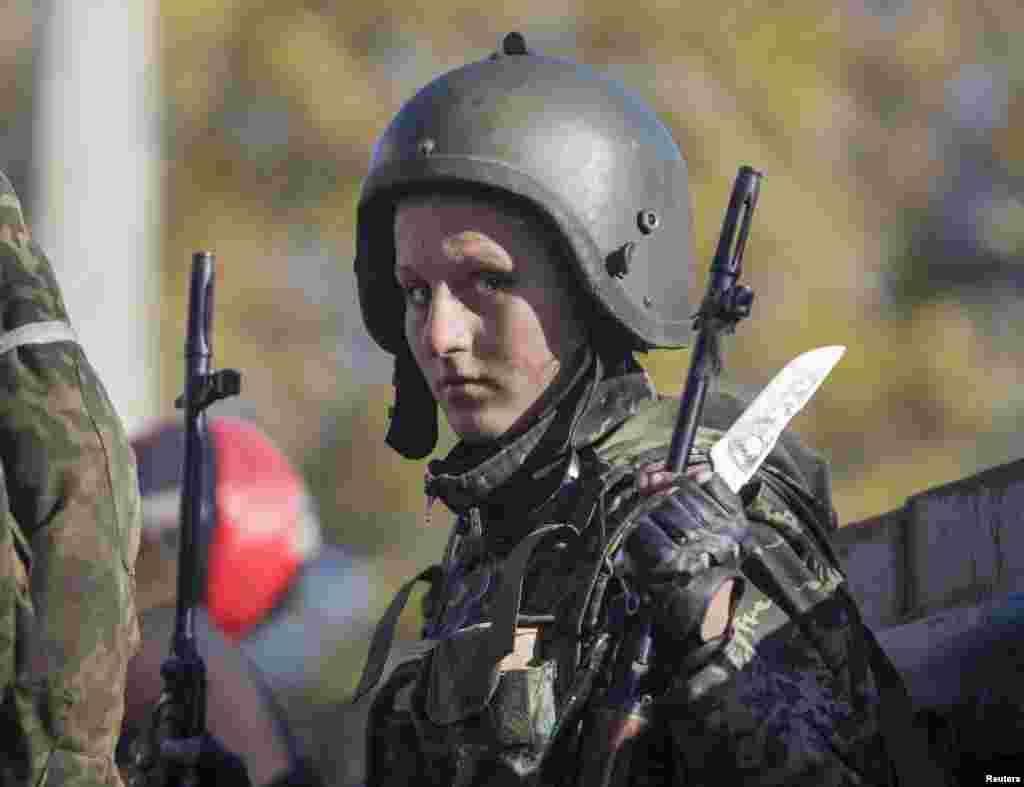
751,438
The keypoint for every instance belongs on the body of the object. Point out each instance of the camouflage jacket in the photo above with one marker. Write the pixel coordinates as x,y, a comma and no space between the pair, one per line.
787,698
68,538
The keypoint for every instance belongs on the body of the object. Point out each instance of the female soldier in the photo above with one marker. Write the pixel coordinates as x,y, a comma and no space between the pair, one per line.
523,230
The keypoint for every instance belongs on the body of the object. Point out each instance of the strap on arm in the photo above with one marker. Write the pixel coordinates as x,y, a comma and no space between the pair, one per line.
37,333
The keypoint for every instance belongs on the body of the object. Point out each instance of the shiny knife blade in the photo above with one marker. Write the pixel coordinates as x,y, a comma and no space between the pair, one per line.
740,451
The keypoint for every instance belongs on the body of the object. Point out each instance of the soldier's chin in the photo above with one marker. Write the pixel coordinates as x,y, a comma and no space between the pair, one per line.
477,425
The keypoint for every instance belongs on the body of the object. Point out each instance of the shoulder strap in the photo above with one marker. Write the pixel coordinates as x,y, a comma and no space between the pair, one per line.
44,332
384,634
904,741
809,509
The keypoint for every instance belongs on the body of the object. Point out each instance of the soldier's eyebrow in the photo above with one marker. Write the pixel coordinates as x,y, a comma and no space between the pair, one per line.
479,247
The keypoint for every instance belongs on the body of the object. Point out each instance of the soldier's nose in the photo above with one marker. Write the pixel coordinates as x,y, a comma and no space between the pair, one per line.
447,329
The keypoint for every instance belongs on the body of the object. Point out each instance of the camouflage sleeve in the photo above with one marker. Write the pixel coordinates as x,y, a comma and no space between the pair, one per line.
788,699
69,535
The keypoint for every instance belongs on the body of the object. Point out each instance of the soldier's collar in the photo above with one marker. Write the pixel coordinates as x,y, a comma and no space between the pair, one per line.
471,475
531,465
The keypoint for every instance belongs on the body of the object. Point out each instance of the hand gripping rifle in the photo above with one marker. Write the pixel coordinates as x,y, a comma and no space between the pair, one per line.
624,712
181,710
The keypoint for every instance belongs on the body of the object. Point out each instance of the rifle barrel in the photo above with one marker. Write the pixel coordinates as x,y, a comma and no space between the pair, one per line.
725,303
197,369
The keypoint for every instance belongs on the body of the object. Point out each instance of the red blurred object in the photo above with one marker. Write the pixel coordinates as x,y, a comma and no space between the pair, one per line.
258,525
255,547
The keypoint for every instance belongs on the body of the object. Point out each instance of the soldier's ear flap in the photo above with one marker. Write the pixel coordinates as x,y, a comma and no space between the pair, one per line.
413,429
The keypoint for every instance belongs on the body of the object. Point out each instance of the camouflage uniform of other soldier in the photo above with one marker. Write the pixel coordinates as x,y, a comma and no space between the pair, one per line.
523,230
69,536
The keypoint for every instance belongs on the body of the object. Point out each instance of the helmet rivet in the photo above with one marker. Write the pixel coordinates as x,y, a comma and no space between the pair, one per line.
514,44
618,261
647,221
648,302
426,147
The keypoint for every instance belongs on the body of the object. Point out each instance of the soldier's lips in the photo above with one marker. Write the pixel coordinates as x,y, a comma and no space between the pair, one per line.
463,390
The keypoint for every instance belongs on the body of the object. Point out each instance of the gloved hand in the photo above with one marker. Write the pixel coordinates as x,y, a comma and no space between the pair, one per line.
215,766
685,554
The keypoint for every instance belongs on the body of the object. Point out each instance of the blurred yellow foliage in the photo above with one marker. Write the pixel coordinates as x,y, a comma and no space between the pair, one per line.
273,109
834,102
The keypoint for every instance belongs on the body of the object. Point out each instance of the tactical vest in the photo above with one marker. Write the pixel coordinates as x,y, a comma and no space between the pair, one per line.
443,711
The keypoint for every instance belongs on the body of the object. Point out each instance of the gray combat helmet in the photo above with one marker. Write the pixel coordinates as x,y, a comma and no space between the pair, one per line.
588,154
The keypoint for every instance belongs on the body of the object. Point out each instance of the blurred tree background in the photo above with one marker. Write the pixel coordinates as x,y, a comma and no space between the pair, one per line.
891,218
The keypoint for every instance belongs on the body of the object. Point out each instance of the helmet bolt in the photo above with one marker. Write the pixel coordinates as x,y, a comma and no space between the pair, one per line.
647,221
618,261
514,44
648,302
426,147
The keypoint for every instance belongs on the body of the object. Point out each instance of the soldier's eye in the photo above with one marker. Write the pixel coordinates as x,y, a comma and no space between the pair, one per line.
494,282
417,294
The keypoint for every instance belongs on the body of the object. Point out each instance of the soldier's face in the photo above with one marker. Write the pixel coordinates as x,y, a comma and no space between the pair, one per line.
488,315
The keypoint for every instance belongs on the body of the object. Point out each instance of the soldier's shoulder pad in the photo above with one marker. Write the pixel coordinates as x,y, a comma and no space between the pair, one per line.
647,434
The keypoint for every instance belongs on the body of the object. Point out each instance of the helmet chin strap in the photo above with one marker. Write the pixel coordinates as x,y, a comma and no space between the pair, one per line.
413,428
